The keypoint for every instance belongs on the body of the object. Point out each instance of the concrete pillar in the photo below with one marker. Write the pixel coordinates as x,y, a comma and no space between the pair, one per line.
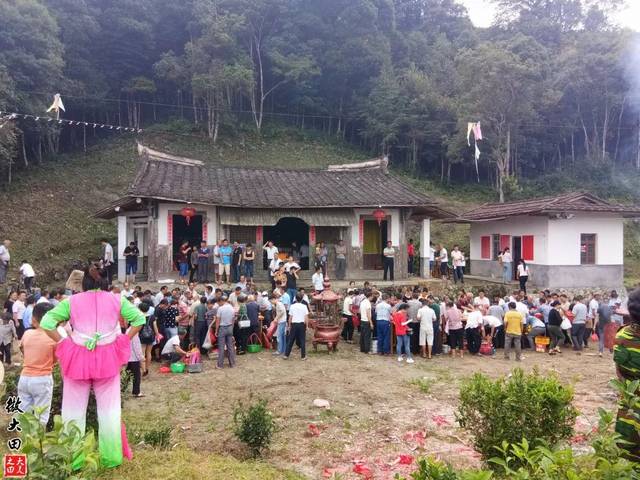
425,240
122,244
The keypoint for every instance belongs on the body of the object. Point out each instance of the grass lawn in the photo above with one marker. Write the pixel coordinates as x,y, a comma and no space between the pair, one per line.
182,463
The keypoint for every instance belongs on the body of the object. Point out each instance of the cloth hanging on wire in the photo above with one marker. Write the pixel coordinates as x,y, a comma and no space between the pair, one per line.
477,131
57,104
470,127
476,128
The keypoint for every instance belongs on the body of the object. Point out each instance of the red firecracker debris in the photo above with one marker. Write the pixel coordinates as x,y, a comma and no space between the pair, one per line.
362,469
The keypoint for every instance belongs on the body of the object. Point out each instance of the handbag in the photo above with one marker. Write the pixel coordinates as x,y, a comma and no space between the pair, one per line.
566,324
244,323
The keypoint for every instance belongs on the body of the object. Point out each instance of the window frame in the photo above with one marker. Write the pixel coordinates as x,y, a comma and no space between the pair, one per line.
588,257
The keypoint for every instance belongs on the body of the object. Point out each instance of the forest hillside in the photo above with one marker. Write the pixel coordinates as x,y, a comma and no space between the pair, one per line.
552,87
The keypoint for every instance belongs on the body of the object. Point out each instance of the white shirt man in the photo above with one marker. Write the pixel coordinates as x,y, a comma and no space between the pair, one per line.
457,257
272,251
298,313
298,316
426,316
19,307
481,301
444,255
365,311
26,270
593,308
474,320
346,305
317,279
523,310
291,264
5,256
432,254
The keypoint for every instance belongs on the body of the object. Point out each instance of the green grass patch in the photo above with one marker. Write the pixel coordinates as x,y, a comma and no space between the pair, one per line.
423,384
186,464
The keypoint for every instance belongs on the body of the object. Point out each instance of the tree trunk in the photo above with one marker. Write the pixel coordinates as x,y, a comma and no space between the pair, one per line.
605,128
24,151
615,153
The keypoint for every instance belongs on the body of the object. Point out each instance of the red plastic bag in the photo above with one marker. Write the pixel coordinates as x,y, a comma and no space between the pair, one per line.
594,337
405,459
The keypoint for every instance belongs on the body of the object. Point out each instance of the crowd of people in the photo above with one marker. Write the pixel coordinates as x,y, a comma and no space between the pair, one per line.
424,324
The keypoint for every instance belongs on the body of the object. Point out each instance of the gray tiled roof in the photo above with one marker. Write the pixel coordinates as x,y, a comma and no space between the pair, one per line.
568,202
271,188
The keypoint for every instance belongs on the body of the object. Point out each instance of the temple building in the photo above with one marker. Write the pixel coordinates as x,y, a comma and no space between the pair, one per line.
173,199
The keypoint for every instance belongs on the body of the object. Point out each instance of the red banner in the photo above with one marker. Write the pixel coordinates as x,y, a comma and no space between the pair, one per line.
312,235
361,231
259,235
205,230
170,229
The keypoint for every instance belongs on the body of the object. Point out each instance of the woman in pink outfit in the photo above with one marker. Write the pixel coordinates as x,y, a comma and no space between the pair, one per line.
92,357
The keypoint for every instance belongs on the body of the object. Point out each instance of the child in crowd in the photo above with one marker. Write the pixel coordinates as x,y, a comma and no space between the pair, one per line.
133,366
35,387
400,322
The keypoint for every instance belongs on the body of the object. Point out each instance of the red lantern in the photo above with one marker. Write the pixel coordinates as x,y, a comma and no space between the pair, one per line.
379,215
188,213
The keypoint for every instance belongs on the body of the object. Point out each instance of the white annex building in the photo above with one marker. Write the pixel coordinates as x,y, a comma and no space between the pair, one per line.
572,241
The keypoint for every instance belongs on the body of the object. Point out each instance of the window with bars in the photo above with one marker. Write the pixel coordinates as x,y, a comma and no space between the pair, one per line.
587,249
495,246
242,234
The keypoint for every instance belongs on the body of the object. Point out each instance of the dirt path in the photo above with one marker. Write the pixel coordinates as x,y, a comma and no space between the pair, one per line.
380,408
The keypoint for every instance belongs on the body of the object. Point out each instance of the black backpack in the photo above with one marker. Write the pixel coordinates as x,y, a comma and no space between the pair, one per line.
147,334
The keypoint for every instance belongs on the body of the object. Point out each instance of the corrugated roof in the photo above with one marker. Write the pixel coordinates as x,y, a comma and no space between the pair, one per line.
570,202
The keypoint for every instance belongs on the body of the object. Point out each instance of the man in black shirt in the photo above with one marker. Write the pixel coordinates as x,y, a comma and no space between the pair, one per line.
131,254
292,279
236,259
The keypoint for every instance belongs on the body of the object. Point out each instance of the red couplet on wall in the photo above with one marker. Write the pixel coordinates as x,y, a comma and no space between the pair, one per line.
527,247
312,235
505,241
259,234
361,232
485,247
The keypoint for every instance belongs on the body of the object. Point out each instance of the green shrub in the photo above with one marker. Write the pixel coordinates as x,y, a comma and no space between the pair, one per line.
431,469
254,426
52,455
516,407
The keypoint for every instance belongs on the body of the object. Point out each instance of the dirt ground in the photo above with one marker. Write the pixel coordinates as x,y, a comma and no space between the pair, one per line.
380,408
